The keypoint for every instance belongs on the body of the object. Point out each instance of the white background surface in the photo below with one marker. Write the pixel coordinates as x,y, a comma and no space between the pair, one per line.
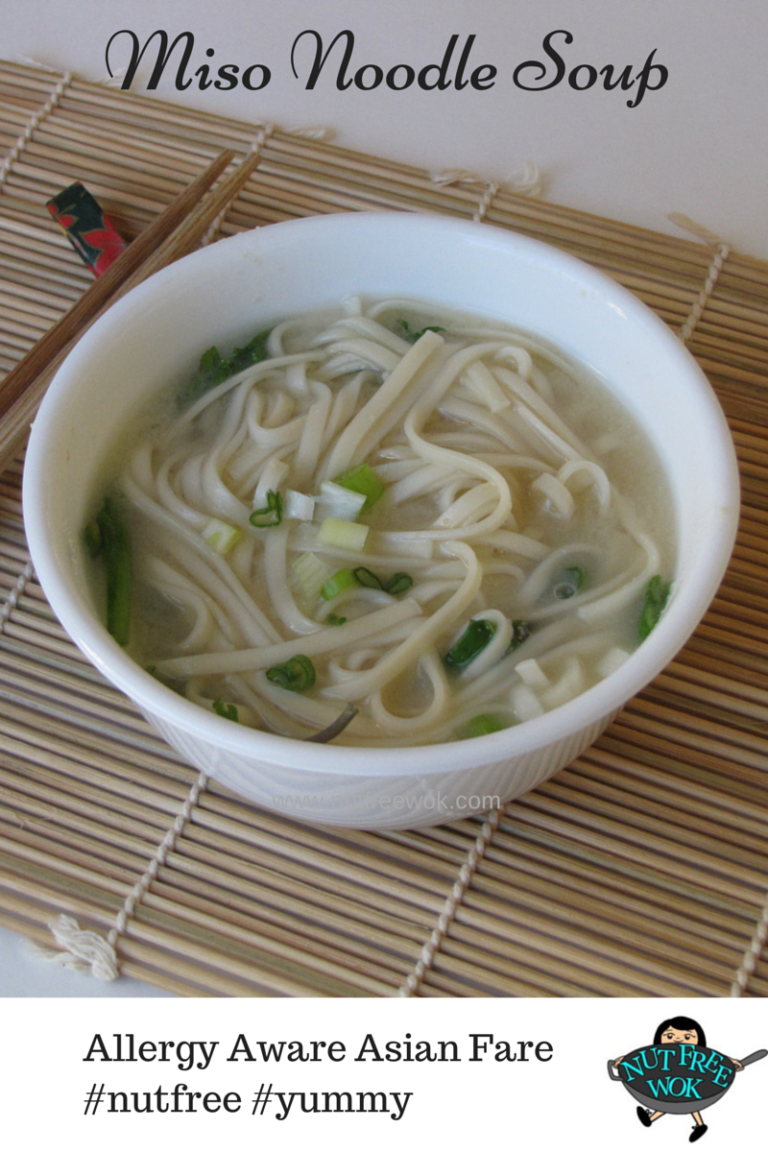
697,145
566,1101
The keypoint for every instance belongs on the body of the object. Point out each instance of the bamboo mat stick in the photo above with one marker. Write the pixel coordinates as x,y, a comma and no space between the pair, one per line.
292,971
665,937
184,977
518,972
659,886
614,936
667,793
361,961
641,848
510,866
616,970
648,729
166,163
598,791
637,825
117,862
212,884
661,751
132,773
286,875
284,885
382,878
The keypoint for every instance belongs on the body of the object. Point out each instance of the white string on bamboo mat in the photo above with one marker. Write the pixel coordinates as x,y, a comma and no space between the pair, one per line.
529,183
452,904
34,121
14,594
718,260
260,140
312,132
83,949
752,955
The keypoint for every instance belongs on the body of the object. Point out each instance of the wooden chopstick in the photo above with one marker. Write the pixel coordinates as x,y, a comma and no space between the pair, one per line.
175,233
192,231
75,319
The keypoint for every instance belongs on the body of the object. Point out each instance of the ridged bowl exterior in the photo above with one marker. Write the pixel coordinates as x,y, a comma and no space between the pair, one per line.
377,803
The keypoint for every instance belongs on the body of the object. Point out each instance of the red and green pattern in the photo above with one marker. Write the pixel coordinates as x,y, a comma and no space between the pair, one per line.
91,233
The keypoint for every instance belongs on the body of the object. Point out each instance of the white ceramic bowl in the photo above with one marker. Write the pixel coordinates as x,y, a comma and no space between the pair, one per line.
243,284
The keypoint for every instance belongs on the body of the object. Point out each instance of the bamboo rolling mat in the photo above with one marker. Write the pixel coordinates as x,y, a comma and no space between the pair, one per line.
640,870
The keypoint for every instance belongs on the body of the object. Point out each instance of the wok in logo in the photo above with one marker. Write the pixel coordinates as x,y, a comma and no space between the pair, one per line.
678,1073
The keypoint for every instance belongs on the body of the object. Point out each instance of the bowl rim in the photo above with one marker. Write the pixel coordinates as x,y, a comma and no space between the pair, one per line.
599,702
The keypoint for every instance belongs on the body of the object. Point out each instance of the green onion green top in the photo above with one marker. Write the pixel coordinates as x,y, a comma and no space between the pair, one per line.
395,586
656,596
482,726
107,537
364,480
297,675
337,583
412,335
226,711
270,516
475,637
214,369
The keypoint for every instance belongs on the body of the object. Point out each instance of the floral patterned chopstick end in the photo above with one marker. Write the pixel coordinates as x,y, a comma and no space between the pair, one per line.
90,232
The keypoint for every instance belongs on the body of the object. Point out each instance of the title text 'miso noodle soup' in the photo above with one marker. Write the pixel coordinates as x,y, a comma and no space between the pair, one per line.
395,509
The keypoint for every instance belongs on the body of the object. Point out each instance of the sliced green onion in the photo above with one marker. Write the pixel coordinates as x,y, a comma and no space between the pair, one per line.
656,596
344,534
340,580
110,528
368,579
251,353
483,726
362,479
214,369
398,583
296,675
226,711
470,644
335,620
221,536
270,516
414,335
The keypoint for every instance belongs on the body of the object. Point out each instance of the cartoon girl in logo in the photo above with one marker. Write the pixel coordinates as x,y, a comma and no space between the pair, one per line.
679,1030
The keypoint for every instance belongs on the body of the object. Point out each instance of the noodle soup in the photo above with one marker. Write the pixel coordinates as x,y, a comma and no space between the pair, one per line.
391,525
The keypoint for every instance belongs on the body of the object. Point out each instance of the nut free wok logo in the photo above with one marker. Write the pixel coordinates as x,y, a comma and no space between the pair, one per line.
678,1074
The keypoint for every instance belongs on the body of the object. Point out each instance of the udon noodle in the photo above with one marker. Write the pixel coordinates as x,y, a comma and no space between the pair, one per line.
415,513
